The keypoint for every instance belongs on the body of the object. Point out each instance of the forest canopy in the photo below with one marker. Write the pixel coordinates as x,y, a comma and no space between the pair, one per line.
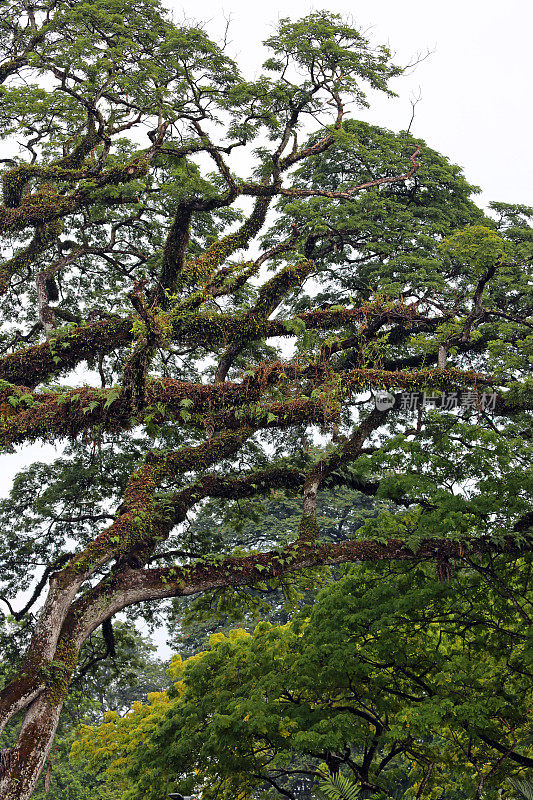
218,291
381,681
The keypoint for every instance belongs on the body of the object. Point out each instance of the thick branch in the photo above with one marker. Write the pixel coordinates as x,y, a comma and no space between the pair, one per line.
135,586
54,416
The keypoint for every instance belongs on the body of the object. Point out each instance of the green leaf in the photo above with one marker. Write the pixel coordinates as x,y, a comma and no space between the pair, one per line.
111,396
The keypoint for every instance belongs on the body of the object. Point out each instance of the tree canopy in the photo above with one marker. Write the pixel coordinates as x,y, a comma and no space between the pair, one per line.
172,371
391,678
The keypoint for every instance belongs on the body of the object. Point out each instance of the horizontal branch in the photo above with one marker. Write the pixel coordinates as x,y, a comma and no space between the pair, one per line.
47,205
33,365
64,351
53,415
68,348
134,586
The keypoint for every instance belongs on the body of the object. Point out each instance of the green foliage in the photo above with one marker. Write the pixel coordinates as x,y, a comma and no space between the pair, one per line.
476,246
390,671
392,232
69,781
523,788
218,394
338,787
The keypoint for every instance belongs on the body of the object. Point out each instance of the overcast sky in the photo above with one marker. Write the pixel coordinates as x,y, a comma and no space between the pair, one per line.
476,105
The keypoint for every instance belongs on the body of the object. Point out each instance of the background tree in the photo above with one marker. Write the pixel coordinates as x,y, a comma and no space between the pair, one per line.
184,394
105,682
408,686
265,523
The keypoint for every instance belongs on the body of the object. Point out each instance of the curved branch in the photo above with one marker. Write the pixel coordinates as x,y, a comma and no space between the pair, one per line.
134,586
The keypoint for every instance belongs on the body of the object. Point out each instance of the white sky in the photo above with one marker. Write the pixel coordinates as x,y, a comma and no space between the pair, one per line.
476,105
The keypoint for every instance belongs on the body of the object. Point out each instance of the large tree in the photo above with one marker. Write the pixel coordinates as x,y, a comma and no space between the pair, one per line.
398,681
137,338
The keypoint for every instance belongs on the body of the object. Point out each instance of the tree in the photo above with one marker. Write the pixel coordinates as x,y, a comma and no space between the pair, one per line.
264,523
123,258
399,682
105,682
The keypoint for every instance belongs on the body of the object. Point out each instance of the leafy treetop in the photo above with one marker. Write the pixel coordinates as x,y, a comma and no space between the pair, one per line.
138,337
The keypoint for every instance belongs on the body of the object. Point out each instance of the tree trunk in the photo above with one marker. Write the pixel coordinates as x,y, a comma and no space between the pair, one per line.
32,750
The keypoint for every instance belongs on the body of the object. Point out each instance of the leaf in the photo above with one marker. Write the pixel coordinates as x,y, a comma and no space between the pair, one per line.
111,396
339,787
295,325
524,788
